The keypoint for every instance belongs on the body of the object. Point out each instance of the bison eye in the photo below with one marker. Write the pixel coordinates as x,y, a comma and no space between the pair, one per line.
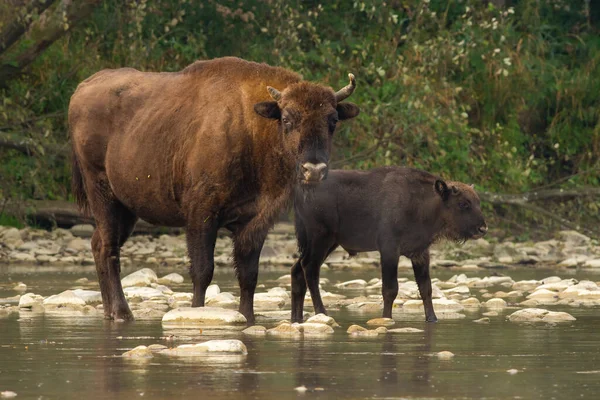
286,122
464,205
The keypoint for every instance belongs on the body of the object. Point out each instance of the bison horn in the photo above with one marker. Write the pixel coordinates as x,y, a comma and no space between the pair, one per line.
347,90
275,94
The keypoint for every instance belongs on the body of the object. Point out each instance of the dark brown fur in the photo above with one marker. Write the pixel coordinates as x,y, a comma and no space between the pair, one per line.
396,211
203,148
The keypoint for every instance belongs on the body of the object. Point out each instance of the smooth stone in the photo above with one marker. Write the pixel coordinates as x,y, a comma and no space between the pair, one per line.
512,371
255,330
445,355
64,299
7,394
20,287
138,352
381,322
405,330
84,230
142,277
211,347
353,284
442,305
490,314
204,316
495,304
540,315
29,300
212,291
285,329
156,347
322,319
169,279
573,238
543,294
142,293
592,263
77,245
89,296
355,328
471,302
148,314
484,320
223,300
82,281
314,328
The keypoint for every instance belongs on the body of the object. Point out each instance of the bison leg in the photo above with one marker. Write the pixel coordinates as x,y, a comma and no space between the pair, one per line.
201,249
421,269
298,291
246,269
321,247
389,277
114,225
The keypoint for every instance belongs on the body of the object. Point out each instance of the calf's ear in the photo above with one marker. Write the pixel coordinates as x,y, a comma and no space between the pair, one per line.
442,189
347,110
268,109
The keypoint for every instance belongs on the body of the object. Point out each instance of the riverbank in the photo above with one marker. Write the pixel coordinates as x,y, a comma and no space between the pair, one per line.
60,247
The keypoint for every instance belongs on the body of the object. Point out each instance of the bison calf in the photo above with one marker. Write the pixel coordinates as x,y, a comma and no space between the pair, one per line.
396,211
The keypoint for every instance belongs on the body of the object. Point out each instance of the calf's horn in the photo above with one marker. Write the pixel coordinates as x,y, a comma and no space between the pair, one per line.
275,94
347,90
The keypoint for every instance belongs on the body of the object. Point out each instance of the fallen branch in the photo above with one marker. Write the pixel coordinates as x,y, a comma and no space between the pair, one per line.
524,200
29,147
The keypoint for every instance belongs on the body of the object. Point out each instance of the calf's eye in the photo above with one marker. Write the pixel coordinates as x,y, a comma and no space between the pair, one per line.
464,205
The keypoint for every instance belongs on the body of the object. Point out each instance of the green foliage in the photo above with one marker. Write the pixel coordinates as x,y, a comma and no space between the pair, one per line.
504,98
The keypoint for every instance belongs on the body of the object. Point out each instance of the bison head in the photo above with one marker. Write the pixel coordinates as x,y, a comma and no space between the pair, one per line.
462,212
308,114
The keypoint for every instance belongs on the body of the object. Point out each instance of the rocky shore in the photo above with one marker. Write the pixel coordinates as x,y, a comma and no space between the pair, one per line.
568,249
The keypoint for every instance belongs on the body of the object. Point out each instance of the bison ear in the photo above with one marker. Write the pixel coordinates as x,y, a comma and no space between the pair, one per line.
442,189
268,109
347,110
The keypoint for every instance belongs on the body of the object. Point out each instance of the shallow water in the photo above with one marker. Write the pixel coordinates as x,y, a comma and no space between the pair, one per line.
51,356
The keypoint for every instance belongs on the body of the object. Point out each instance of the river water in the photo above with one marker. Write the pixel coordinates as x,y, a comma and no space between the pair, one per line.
48,356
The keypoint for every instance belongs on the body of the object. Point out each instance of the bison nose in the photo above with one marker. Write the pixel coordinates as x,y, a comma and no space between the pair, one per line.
483,229
312,172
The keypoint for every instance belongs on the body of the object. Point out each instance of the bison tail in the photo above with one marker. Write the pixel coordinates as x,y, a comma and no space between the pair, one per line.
78,186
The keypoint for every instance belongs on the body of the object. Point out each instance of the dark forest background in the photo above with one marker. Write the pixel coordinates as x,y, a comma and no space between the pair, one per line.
504,94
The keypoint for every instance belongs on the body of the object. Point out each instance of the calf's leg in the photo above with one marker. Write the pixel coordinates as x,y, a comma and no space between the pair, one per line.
298,291
201,238
321,247
421,269
389,277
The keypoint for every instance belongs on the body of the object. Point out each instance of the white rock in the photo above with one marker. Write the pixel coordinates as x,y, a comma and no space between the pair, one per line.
144,293
442,305
7,394
143,277
543,294
471,302
539,315
573,238
255,330
381,322
405,330
223,300
311,328
445,355
551,279
462,289
88,296
212,347
495,304
592,263
286,329
20,287
557,286
64,299
29,300
525,285
322,319
170,279
204,316
212,291
138,352
22,257
512,371
354,284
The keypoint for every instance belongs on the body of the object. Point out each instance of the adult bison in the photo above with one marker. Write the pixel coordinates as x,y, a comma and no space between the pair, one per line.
203,148
396,211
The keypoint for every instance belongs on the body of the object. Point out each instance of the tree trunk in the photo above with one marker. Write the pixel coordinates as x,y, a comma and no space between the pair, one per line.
22,17
52,24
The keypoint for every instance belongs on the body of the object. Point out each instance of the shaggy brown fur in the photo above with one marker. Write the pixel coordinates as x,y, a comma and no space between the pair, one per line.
203,148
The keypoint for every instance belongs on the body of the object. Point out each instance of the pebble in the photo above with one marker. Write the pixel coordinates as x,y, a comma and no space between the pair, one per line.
138,352
381,322
484,320
7,394
512,371
203,316
445,355
540,315
405,330
256,330
211,347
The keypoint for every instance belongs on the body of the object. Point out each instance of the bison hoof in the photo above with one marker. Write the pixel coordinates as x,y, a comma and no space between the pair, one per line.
119,315
431,319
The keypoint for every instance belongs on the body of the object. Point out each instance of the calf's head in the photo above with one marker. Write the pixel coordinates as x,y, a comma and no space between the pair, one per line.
461,211
308,114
